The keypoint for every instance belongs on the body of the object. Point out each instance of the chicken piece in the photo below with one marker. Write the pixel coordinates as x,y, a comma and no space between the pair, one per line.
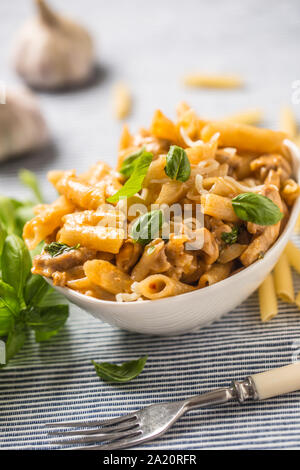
128,255
261,242
182,263
153,261
45,265
262,165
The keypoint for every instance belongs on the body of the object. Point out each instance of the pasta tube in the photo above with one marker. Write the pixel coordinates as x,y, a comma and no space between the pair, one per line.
293,255
158,286
267,299
107,276
283,279
97,238
245,138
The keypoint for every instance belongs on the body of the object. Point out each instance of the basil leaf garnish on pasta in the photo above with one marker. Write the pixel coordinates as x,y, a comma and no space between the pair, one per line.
256,208
123,373
178,166
147,227
230,237
134,184
129,163
55,249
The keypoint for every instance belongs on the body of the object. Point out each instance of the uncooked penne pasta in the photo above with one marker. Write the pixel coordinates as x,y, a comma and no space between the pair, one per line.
159,286
122,101
248,116
107,276
293,255
288,121
213,81
267,299
244,137
98,238
283,279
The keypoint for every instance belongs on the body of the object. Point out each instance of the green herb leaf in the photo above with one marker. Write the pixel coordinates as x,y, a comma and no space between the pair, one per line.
35,289
22,215
47,319
129,163
230,237
41,336
256,208
16,264
7,214
124,373
3,235
55,249
134,184
15,340
147,227
178,165
9,308
52,298
29,179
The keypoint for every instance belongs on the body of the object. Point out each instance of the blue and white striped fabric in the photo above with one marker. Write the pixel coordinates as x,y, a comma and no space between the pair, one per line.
56,381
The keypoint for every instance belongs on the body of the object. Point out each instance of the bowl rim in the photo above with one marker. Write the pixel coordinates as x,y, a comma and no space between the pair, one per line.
295,154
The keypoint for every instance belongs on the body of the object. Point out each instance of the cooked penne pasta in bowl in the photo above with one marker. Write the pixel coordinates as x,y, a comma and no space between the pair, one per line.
194,217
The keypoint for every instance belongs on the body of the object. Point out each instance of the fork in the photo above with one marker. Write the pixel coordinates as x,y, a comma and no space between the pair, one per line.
154,420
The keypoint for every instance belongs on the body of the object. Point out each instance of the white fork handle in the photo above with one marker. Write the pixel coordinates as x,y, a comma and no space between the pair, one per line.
276,382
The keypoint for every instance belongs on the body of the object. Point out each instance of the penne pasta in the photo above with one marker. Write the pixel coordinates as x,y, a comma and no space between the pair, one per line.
213,81
122,101
96,238
159,286
219,207
288,122
249,116
107,276
267,299
293,255
245,138
283,279
216,273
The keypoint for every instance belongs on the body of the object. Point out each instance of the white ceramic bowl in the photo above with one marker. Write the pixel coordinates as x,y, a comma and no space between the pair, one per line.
191,311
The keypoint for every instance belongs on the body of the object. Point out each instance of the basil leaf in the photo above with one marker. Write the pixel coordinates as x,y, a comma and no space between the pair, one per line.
52,298
129,163
15,340
178,165
41,336
134,184
124,373
256,208
16,264
147,227
9,308
47,319
8,298
7,214
29,179
35,289
3,235
55,249
230,237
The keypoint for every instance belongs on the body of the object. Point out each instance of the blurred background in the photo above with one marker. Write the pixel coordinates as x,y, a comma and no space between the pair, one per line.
151,46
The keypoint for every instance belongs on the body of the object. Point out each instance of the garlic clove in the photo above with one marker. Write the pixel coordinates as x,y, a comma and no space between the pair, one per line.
53,52
22,126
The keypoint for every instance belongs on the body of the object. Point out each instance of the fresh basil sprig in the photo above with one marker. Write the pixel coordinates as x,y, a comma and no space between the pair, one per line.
29,179
177,164
26,300
256,208
230,237
147,227
134,184
129,162
55,249
123,373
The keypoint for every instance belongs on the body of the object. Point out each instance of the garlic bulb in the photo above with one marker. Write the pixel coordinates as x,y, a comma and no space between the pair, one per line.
52,51
22,127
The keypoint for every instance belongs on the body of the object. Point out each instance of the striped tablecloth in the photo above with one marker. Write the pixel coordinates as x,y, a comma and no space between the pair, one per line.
56,381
